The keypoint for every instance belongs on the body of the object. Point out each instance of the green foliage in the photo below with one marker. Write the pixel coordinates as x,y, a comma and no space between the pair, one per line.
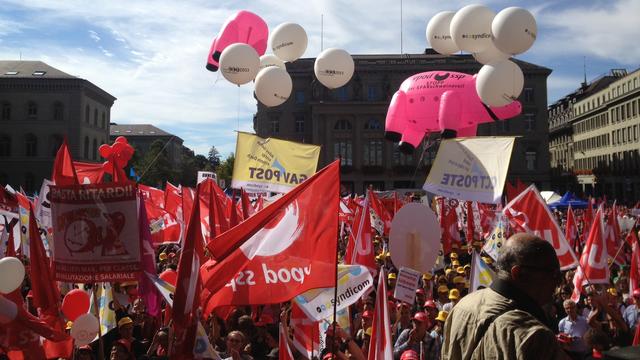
225,170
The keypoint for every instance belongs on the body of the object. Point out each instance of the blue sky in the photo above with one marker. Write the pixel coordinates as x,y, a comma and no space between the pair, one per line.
150,54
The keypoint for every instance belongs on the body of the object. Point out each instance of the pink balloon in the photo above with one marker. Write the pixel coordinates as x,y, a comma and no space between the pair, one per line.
439,101
74,304
169,276
243,27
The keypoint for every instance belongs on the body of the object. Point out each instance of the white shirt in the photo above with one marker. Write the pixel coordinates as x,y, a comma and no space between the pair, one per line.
576,329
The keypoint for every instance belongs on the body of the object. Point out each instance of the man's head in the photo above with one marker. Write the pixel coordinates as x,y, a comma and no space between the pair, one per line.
420,323
531,264
125,328
235,341
570,308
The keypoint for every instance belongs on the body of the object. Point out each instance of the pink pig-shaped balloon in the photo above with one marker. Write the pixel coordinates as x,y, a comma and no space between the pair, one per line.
442,101
243,27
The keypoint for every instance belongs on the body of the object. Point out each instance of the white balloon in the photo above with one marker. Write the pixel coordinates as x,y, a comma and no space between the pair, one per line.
439,33
288,41
490,55
273,86
239,63
471,28
11,274
500,83
84,329
8,310
514,30
267,60
334,67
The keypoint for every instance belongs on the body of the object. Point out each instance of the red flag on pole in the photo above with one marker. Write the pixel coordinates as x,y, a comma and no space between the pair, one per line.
571,229
380,210
612,236
284,352
360,247
89,173
380,346
470,223
450,233
64,173
287,248
634,273
247,209
593,261
306,332
587,220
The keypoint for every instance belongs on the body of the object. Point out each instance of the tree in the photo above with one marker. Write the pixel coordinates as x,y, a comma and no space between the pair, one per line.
154,166
225,171
214,158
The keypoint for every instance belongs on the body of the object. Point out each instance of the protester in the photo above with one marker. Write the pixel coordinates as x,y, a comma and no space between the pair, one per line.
416,339
574,326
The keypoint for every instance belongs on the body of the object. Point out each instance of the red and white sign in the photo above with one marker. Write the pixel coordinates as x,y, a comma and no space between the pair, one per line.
529,213
593,261
96,237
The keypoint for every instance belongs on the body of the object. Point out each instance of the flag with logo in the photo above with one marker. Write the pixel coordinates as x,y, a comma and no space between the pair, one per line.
202,348
306,332
360,247
571,229
380,346
380,211
284,250
529,213
107,316
89,173
593,261
612,236
495,240
481,273
284,352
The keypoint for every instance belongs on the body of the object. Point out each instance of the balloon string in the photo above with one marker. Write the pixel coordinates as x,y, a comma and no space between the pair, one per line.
427,146
238,110
156,158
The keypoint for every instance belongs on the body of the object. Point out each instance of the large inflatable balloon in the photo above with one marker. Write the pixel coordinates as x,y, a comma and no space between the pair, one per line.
288,41
498,84
471,28
85,329
242,27
490,55
439,101
273,86
439,33
268,60
239,63
74,304
11,274
514,30
334,68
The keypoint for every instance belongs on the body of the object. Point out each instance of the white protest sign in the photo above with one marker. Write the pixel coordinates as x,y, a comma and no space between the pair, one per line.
406,285
203,175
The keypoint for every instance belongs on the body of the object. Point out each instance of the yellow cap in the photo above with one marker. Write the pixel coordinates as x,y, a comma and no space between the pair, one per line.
454,294
392,276
458,280
125,321
128,283
612,291
442,316
69,325
487,259
162,256
460,270
453,255
455,263
443,288
447,271
369,331
427,276
466,267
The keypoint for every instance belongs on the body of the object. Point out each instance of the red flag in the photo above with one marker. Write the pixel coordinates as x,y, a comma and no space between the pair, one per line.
510,191
380,346
164,226
571,229
487,219
529,213
188,195
173,201
593,261
64,173
470,223
188,284
147,289
287,248
380,210
155,196
634,272
247,209
284,352
450,232
612,236
234,217
213,209
360,247
306,332
587,220
89,173
259,203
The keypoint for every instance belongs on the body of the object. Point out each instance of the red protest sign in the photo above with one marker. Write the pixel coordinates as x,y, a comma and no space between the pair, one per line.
95,232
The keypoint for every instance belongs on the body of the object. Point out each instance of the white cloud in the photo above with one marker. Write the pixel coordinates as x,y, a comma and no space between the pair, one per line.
94,36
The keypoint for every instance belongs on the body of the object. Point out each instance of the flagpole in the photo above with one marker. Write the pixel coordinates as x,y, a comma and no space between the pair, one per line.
100,342
335,302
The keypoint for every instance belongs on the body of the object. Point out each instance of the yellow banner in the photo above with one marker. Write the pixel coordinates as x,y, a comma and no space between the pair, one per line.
274,165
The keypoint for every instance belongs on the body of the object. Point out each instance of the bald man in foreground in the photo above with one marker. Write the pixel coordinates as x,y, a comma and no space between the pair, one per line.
506,321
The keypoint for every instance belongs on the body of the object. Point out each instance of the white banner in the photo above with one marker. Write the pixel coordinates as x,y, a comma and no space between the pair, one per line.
472,169
406,285
203,175
353,282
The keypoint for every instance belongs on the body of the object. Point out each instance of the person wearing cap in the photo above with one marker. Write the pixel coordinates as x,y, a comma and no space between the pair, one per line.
431,309
421,297
632,312
84,352
443,296
339,342
467,270
410,355
121,350
437,332
528,272
367,321
125,331
574,327
415,338
458,282
404,321
454,296
391,281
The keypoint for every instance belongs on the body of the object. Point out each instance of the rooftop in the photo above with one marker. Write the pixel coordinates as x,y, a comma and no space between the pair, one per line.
30,69
137,130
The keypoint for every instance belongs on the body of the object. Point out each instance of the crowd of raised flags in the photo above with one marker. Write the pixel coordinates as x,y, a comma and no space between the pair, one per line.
224,277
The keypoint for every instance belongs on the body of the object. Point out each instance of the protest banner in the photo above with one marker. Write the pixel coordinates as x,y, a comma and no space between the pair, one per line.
473,169
353,282
203,175
406,285
96,237
271,164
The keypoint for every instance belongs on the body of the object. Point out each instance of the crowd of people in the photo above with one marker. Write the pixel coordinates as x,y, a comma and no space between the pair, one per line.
527,313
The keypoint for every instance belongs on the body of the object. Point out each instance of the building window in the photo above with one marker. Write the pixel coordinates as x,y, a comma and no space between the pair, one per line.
86,147
104,121
95,117
86,114
29,182
32,110
342,125
5,145
527,95
373,153
530,122
400,158
299,97
530,159
30,145
373,93
275,126
299,124
6,111
342,94
58,111
56,142
372,124
95,149
342,150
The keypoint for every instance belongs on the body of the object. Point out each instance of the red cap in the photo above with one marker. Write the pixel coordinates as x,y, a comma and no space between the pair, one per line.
420,291
30,294
367,314
420,316
402,304
328,356
636,293
430,304
409,355
392,304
